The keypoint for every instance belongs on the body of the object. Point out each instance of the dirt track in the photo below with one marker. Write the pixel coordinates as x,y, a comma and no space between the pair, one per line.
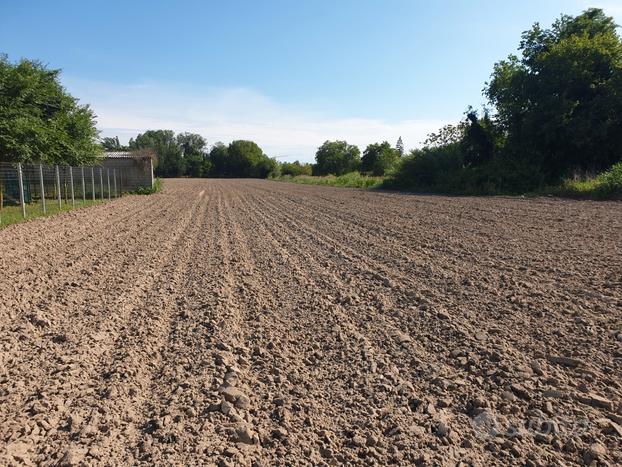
255,322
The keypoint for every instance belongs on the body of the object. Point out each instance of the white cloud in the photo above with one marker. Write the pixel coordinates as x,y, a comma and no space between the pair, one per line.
225,114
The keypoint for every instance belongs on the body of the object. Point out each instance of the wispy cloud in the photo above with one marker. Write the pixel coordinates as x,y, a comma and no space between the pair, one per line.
225,114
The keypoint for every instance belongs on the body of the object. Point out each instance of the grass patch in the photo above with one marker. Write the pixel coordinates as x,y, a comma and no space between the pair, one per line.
158,184
349,180
13,214
486,181
607,185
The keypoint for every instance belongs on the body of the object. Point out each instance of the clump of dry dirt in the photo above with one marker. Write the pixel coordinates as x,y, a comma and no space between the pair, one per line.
262,323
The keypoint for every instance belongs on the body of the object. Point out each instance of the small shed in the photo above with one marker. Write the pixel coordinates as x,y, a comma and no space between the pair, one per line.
134,169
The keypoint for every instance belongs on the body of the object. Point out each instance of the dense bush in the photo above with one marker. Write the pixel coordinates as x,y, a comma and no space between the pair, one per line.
296,168
443,170
604,186
349,180
610,182
156,188
428,169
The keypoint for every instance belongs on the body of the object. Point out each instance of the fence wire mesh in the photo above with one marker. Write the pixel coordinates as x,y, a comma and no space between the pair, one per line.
34,189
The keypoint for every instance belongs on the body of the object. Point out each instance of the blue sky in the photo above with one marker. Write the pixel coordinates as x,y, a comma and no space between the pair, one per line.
287,74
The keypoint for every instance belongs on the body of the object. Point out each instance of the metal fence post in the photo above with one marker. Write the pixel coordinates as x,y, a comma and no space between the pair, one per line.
114,174
83,185
65,186
58,194
21,189
93,183
73,198
108,177
101,182
42,185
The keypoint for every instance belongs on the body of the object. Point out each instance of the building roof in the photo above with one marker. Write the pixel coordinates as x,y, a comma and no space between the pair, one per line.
126,155
118,155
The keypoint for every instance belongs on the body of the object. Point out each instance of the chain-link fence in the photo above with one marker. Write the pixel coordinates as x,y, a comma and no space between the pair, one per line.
36,189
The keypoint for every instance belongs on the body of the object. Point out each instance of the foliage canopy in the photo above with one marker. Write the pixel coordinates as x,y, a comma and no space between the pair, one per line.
379,158
39,120
337,158
560,103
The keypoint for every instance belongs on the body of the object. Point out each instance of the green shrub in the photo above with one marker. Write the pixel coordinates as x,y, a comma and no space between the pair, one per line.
349,180
610,182
296,168
428,169
607,185
156,188
443,170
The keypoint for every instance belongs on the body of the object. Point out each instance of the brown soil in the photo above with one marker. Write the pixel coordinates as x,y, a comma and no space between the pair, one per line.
261,323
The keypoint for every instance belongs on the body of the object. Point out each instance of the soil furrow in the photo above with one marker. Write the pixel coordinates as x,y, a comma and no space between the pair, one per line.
248,322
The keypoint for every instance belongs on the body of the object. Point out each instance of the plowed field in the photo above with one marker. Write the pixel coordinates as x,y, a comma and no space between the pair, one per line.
247,322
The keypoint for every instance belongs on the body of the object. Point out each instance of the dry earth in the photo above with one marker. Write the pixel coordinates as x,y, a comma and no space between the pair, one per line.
263,323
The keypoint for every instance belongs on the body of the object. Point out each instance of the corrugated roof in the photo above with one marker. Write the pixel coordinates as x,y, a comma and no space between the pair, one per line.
128,155
119,155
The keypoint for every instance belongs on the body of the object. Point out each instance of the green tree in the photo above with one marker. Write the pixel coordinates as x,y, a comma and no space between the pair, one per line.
399,146
479,142
169,154
296,168
244,158
113,144
191,143
378,158
219,158
193,150
449,134
337,158
560,103
39,120
265,167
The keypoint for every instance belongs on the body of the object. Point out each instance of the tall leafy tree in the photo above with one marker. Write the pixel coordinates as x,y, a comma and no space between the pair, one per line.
560,103
164,144
191,143
399,146
244,158
479,142
39,120
193,150
113,144
241,158
219,158
379,158
337,158
446,135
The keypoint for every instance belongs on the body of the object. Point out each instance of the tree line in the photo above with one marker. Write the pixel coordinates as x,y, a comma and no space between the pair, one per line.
187,154
554,111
